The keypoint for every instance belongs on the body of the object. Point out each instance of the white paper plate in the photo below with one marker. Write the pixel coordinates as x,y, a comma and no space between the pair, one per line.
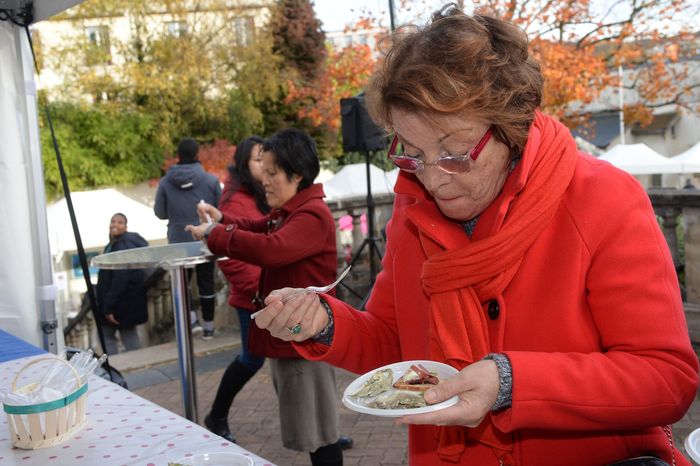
217,459
692,445
360,404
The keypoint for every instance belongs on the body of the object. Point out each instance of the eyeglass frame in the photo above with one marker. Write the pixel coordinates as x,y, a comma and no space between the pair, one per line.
473,154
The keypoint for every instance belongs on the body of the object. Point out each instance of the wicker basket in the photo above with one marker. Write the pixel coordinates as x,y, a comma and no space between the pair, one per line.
46,424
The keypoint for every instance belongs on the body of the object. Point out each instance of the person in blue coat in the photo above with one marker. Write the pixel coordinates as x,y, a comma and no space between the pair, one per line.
121,296
179,191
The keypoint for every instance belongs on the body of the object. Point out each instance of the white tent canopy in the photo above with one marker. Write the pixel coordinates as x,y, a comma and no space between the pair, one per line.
640,159
93,211
27,304
689,160
351,182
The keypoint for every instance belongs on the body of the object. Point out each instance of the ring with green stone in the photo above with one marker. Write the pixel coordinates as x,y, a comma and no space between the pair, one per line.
295,330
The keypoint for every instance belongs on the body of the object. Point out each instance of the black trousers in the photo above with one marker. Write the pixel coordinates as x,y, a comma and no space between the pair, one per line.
205,284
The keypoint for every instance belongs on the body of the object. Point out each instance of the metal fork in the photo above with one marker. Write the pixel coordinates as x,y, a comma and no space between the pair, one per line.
312,289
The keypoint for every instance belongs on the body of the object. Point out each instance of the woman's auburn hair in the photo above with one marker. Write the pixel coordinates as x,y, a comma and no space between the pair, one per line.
465,65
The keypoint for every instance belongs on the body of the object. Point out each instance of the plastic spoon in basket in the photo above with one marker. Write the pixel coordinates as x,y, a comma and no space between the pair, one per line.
312,289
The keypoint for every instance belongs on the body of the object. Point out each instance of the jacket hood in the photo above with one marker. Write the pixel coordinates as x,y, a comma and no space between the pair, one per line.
185,176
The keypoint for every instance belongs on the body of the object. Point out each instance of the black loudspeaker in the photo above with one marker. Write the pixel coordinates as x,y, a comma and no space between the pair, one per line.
359,131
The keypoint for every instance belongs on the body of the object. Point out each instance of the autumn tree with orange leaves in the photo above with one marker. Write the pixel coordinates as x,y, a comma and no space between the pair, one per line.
314,92
581,43
580,50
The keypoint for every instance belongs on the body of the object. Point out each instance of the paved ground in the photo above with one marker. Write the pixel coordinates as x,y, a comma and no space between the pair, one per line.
253,418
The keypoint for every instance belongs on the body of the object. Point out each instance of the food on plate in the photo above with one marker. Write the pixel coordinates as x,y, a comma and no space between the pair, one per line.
398,399
417,378
377,383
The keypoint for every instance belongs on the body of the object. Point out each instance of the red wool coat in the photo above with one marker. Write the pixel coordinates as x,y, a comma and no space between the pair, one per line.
295,245
243,278
592,322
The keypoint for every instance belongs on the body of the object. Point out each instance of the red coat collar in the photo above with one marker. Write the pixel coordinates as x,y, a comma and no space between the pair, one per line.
315,191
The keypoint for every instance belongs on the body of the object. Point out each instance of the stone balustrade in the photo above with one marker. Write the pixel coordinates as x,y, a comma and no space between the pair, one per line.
679,213
679,218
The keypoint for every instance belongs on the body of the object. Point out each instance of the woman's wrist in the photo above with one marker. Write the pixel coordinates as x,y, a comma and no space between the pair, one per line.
505,381
325,336
209,229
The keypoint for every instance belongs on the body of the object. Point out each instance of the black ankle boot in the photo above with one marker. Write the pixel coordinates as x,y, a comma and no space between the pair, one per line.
219,427
330,455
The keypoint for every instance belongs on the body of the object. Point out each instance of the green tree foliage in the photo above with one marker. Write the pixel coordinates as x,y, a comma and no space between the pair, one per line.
300,42
200,69
100,145
298,36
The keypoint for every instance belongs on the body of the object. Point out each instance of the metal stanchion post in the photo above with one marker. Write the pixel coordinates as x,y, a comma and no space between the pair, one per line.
180,295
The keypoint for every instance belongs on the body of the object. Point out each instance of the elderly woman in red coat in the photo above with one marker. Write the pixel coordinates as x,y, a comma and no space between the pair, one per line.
295,246
539,272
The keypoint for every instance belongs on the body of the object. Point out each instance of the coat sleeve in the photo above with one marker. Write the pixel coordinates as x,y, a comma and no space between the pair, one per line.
160,208
241,275
646,371
373,334
284,246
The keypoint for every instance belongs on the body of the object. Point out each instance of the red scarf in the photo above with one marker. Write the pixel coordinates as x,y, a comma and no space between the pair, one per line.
459,280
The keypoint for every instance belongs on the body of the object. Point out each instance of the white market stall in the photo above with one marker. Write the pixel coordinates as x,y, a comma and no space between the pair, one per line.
93,212
640,159
27,303
351,182
689,160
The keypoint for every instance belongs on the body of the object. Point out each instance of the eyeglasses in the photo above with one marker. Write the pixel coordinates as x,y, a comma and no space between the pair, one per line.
449,163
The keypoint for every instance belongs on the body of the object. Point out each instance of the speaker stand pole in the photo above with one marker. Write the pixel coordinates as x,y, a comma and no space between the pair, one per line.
371,240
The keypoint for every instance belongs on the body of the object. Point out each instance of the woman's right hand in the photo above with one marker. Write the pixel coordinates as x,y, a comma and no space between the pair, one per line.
208,211
304,310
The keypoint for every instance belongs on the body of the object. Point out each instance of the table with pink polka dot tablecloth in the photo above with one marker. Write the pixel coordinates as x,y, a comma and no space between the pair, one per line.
122,429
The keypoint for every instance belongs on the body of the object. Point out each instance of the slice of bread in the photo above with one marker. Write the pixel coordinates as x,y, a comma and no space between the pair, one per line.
416,379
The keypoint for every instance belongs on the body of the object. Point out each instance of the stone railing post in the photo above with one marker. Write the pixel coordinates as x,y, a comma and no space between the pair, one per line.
666,203
669,221
691,218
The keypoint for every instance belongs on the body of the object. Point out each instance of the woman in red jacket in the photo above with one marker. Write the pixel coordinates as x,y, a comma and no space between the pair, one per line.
539,272
295,246
243,196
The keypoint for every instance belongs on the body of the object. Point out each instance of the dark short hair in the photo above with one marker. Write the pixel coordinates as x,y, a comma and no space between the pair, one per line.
119,214
461,65
187,150
295,153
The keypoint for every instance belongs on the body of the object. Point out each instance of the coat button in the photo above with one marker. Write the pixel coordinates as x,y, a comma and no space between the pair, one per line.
494,309
229,227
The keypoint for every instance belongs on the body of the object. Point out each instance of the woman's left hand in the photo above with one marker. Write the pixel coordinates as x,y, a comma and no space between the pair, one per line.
197,231
477,387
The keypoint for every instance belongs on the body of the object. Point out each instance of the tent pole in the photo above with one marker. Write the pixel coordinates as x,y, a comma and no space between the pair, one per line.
46,290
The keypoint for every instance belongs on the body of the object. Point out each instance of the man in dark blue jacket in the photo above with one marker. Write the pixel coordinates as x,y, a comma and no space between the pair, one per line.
179,191
120,293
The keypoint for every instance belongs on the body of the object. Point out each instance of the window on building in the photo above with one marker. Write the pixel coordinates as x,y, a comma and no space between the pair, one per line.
98,50
245,30
176,28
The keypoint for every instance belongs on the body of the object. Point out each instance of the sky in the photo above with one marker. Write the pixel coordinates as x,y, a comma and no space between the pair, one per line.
334,14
